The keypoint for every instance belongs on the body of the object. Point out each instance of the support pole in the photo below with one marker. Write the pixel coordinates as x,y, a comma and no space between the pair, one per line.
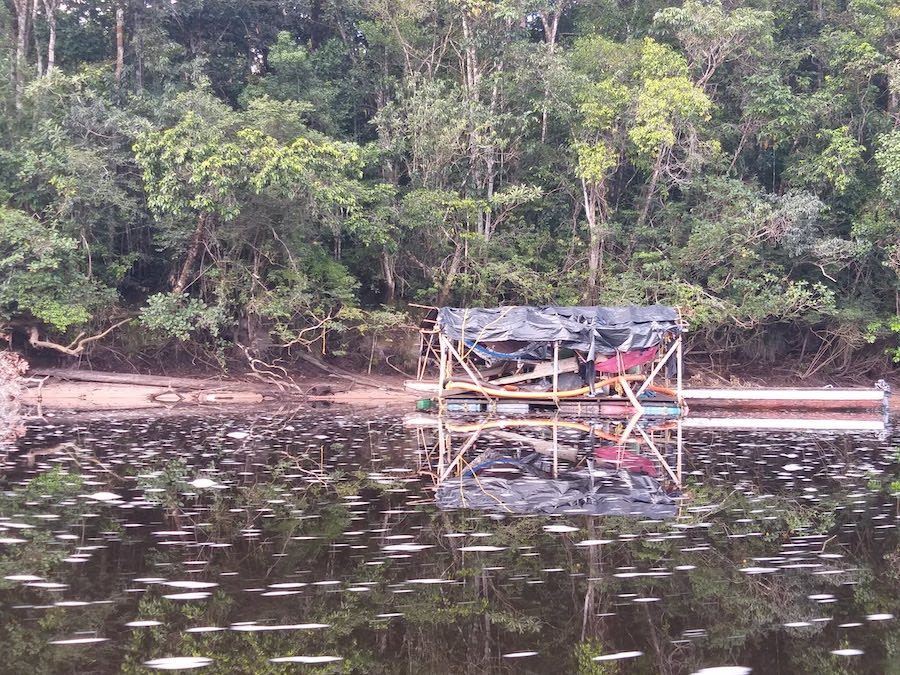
555,449
679,355
653,373
679,444
659,456
462,451
632,423
639,409
442,373
420,365
469,371
445,445
555,374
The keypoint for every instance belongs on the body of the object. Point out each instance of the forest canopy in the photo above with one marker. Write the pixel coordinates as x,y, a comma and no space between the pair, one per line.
246,175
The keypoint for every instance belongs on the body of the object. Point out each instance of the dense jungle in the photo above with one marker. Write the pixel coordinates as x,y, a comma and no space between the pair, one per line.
210,181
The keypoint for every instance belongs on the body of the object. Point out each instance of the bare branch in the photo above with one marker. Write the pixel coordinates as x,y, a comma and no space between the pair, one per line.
77,346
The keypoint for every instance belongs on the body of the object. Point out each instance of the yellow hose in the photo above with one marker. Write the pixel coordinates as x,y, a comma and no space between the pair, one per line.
564,424
537,395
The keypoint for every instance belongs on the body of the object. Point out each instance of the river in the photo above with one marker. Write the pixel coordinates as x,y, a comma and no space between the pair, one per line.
270,541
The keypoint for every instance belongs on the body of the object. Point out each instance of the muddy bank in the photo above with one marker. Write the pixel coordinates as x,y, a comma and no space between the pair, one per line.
58,389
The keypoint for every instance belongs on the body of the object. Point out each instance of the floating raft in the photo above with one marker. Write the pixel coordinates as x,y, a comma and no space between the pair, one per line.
819,399
459,400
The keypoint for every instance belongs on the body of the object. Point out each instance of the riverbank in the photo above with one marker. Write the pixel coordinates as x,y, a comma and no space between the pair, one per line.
59,389
82,390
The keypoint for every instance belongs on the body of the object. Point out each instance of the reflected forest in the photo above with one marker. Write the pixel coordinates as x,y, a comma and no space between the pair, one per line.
257,542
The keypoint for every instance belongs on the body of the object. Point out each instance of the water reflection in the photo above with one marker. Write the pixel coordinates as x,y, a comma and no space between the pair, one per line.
553,465
270,541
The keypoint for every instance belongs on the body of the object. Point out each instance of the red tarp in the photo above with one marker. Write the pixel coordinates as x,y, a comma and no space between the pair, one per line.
619,363
630,461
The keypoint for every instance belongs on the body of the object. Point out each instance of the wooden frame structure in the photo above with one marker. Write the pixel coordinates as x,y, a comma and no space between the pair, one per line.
464,385
448,455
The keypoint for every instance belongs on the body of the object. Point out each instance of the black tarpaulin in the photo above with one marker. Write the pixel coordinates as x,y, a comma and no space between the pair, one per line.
591,329
631,495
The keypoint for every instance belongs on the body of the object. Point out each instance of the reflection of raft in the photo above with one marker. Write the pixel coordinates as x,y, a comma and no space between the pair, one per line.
531,490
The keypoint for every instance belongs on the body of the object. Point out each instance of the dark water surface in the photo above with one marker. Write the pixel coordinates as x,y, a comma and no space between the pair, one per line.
268,543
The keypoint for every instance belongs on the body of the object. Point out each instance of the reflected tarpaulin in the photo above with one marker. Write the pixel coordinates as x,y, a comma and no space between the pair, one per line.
573,492
601,330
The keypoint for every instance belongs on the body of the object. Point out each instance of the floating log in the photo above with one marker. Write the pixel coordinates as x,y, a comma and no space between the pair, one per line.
104,396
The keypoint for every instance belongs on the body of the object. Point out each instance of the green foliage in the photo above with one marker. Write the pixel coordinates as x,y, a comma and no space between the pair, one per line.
293,171
178,315
41,274
595,161
887,158
54,484
887,331
835,165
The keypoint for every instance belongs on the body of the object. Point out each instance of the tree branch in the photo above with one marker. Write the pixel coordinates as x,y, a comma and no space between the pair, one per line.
77,346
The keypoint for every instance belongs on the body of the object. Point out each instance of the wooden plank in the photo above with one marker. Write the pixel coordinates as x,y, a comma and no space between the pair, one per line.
785,394
785,423
569,365
429,387
781,404
541,445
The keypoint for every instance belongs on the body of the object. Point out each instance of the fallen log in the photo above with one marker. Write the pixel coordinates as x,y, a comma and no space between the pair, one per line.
140,380
98,396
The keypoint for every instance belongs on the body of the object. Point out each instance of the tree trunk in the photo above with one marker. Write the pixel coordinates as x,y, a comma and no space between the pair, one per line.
595,213
651,188
390,281
120,44
193,250
451,275
50,9
23,19
38,51
470,68
551,26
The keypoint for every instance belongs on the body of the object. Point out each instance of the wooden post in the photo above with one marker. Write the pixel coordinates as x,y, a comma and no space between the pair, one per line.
423,357
556,375
631,397
443,451
442,373
679,372
632,423
679,445
462,451
475,378
555,448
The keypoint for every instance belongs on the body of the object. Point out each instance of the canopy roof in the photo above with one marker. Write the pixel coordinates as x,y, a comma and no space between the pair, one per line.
600,330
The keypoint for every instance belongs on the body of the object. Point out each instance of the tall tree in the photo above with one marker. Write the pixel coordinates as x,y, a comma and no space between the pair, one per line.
51,7
24,13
